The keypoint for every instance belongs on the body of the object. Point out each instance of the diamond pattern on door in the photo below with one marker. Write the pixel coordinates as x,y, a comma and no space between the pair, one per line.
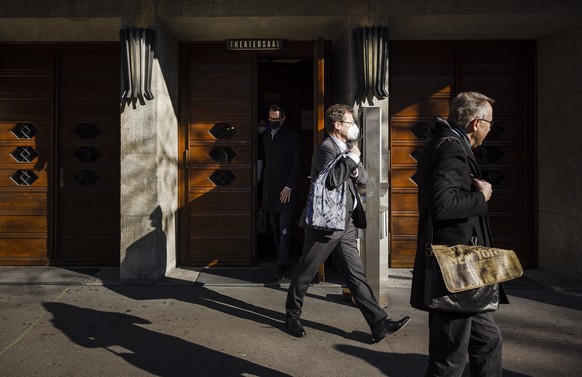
424,78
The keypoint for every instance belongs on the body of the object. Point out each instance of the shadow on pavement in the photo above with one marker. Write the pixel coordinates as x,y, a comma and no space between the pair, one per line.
566,297
392,364
151,351
211,299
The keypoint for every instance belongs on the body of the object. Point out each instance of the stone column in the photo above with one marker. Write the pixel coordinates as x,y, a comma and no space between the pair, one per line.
149,167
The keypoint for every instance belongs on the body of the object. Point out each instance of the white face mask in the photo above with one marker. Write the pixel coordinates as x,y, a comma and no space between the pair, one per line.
353,132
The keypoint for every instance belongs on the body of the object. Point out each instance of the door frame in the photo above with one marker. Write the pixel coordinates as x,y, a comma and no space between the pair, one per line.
319,51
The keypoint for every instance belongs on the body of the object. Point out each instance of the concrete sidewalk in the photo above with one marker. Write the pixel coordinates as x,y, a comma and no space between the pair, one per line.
72,322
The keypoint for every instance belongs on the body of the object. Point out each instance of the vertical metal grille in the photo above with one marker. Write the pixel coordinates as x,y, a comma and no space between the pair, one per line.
137,54
371,52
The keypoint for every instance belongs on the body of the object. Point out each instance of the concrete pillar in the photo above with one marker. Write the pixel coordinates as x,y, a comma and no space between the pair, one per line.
149,167
559,155
374,245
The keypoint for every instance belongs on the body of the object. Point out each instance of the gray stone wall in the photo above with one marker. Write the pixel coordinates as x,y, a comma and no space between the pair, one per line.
559,153
149,174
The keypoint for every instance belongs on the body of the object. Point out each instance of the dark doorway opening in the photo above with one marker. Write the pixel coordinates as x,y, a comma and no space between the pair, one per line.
289,82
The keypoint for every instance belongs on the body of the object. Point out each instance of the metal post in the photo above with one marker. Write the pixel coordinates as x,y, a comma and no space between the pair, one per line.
375,240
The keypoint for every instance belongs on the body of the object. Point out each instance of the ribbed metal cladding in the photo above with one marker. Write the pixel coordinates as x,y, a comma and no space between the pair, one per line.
137,56
371,52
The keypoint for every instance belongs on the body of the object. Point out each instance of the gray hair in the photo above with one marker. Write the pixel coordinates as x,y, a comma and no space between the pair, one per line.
467,106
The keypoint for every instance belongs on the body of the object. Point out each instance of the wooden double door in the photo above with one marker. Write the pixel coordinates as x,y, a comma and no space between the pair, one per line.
59,154
424,77
223,95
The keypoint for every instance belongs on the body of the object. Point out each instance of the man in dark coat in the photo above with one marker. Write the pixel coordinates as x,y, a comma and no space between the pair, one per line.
282,175
320,244
452,200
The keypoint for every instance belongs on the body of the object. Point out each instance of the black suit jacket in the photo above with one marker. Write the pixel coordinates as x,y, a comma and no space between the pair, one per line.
282,168
340,173
447,200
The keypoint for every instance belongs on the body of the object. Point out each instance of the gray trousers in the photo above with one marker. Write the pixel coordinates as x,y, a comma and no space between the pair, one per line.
452,336
316,248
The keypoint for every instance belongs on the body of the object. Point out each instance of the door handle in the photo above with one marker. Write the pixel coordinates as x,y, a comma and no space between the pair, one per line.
61,177
186,158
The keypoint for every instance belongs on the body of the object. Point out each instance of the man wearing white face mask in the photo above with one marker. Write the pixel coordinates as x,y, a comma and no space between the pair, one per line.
341,244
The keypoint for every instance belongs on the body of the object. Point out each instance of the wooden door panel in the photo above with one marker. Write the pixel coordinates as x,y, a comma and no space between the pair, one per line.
79,85
59,210
406,225
101,201
220,136
26,154
422,84
421,88
239,130
402,178
15,224
211,177
23,249
85,249
219,249
90,179
508,203
89,108
88,157
218,86
404,154
17,201
225,107
27,85
28,110
409,108
216,63
226,223
92,127
89,153
6,177
214,201
404,202
225,155
491,84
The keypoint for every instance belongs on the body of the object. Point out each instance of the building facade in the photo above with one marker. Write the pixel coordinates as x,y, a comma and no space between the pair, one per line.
92,176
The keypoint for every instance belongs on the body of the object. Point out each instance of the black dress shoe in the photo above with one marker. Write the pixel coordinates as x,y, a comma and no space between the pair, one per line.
387,327
294,327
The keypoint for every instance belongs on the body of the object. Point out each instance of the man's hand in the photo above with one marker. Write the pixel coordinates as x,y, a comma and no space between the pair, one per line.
285,195
355,150
484,187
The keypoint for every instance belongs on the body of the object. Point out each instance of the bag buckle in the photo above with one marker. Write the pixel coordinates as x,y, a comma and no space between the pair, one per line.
428,249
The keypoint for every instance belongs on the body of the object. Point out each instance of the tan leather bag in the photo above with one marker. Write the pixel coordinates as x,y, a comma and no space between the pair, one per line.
468,267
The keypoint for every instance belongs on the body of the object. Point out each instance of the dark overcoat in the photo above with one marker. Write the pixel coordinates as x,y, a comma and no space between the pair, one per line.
447,200
282,168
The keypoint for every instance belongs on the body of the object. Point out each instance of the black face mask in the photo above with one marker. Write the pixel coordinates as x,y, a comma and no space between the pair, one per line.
275,125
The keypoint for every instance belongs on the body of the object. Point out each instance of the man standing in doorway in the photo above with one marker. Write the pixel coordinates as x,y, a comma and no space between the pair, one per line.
319,244
452,201
281,182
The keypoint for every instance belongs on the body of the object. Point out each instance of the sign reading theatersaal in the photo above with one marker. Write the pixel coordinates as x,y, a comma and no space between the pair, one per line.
254,44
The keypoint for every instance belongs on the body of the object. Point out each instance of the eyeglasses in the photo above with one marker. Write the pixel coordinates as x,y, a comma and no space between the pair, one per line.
488,121
348,123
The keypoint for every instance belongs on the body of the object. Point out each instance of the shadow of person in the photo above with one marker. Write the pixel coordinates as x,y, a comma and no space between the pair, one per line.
156,353
209,298
401,364
145,259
